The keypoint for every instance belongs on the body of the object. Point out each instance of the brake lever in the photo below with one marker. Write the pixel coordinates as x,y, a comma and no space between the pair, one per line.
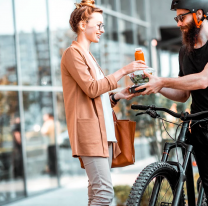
152,113
140,113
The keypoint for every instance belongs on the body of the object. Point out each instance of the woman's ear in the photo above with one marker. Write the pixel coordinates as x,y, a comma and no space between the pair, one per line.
199,14
82,25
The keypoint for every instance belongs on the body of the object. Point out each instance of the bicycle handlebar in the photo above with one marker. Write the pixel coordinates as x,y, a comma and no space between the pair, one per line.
182,116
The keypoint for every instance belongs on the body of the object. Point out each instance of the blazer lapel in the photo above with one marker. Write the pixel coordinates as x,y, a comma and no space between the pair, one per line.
83,52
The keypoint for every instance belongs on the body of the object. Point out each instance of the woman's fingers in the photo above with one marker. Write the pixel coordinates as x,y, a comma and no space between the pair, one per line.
140,61
130,97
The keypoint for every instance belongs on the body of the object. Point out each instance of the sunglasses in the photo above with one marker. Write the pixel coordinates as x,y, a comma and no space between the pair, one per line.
180,17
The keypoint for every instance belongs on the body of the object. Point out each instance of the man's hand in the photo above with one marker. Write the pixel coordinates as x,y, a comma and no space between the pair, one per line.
152,87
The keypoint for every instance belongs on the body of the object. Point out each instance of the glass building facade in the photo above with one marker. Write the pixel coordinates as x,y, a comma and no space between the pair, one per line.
35,154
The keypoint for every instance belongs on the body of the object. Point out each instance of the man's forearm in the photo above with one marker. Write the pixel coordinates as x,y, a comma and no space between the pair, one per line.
189,82
175,94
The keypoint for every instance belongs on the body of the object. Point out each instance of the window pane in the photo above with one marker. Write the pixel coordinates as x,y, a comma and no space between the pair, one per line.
125,7
61,35
69,166
110,4
141,35
110,54
11,162
126,31
110,28
8,74
140,9
33,42
40,141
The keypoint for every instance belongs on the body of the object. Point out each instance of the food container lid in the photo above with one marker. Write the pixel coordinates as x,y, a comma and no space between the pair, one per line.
138,49
148,70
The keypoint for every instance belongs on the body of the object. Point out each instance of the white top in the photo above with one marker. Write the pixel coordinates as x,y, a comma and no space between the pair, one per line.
107,110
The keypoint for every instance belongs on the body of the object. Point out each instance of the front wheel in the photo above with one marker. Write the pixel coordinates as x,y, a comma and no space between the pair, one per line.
142,191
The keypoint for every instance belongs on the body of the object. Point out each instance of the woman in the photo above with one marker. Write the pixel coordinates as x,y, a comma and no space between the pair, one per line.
88,105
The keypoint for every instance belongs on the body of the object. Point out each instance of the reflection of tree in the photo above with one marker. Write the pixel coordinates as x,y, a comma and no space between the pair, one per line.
42,57
8,109
61,39
27,100
61,110
8,102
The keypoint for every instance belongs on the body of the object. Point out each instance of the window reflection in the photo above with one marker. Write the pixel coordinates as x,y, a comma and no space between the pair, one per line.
110,4
61,35
69,166
125,7
11,162
110,54
140,9
8,75
111,28
40,141
33,42
126,31
141,35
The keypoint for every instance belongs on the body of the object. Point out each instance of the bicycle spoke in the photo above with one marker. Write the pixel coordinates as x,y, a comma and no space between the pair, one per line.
166,192
164,184
148,193
170,197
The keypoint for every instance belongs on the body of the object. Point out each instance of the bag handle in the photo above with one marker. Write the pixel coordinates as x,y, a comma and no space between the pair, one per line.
114,116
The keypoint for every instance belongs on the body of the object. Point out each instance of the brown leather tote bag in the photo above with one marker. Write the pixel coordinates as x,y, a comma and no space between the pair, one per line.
125,130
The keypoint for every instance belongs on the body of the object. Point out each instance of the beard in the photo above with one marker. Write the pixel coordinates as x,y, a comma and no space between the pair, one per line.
190,36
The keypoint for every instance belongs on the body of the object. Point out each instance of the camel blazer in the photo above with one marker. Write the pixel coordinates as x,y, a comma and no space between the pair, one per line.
83,106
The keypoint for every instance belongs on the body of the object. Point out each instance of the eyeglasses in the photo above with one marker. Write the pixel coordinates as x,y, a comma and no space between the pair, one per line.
180,17
101,26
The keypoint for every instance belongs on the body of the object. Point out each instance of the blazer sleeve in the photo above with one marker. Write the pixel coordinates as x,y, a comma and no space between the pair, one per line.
79,70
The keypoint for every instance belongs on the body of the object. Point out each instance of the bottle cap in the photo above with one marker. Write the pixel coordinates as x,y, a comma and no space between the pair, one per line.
138,49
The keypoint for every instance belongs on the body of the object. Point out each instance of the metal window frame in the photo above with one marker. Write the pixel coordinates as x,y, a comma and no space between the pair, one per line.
53,80
20,99
125,17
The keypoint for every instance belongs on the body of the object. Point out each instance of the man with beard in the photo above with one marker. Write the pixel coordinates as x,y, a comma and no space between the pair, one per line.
192,18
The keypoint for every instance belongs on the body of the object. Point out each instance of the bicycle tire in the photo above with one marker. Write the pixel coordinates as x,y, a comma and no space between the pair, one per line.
148,174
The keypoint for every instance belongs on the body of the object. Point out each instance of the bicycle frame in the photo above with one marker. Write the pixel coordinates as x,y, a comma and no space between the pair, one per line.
185,171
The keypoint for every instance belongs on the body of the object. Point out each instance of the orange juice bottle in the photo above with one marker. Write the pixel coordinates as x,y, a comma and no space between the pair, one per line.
139,55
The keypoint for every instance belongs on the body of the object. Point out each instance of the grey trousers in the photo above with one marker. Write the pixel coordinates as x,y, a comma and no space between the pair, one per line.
100,188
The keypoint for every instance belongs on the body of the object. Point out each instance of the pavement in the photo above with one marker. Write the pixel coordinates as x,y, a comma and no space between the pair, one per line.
75,192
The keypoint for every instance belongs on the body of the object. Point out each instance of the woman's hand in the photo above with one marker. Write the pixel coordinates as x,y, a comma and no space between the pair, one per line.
134,66
124,94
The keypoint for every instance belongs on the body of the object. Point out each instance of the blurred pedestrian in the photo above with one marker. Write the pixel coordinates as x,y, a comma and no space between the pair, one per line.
48,130
17,150
88,104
